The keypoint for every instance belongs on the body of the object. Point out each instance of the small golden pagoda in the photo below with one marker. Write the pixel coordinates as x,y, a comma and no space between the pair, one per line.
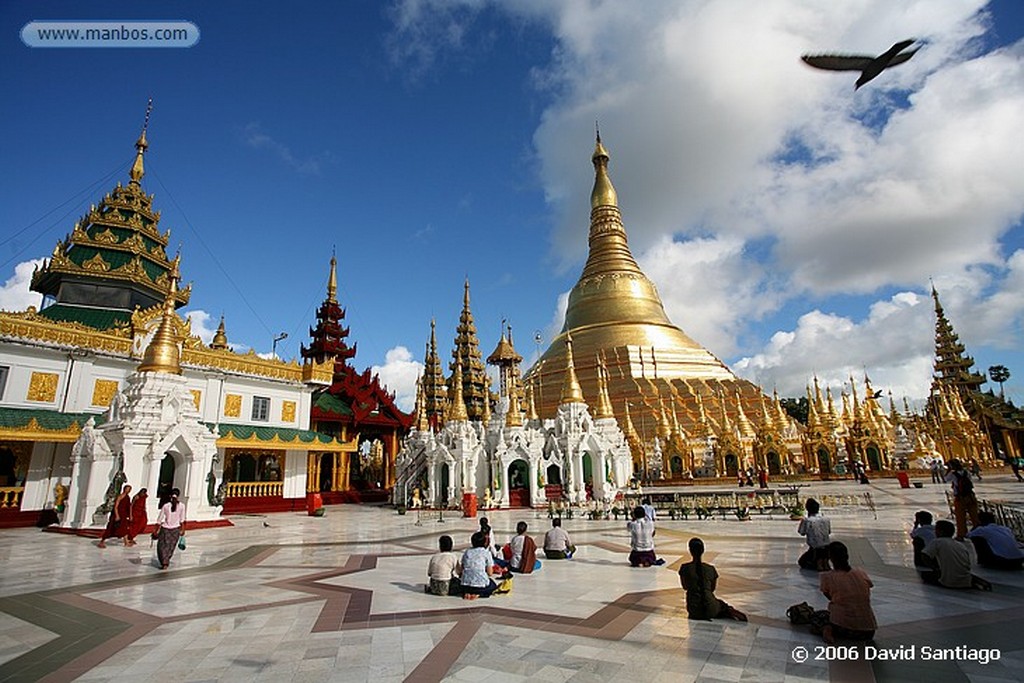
624,343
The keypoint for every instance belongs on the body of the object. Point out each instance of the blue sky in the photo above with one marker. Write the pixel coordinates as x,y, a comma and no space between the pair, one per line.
790,224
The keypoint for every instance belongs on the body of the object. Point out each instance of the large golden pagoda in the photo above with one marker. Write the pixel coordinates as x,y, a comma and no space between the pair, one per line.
617,322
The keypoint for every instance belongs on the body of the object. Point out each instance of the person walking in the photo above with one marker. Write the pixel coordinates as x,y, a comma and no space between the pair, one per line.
965,504
139,517
171,527
120,522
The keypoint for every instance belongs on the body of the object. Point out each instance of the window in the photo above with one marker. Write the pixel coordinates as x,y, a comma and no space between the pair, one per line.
3,379
260,408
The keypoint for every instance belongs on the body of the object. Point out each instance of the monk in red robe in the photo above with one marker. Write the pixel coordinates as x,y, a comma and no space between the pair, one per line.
119,524
139,518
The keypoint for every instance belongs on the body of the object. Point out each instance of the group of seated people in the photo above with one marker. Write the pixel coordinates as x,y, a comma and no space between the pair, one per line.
945,560
472,575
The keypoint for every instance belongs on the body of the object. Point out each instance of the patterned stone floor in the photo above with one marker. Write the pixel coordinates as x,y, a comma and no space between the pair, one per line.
287,597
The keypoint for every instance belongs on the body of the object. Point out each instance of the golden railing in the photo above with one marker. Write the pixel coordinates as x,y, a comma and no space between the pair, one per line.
10,496
252,489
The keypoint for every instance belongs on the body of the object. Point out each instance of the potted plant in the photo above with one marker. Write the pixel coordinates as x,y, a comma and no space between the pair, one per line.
742,514
685,512
400,509
796,512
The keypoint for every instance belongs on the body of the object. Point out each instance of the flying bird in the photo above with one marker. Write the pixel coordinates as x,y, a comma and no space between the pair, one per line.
869,67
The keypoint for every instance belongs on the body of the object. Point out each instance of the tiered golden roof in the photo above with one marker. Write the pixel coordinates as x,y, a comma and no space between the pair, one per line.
467,357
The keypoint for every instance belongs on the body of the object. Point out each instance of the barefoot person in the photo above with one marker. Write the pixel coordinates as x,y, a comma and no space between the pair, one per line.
139,517
641,540
170,527
699,580
120,523
849,598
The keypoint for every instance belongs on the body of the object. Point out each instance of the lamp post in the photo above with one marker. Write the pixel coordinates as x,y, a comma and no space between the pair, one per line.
273,347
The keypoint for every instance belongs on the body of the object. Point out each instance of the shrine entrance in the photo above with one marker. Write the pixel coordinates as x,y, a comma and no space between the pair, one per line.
676,466
166,481
519,484
874,458
774,463
553,487
824,462
732,465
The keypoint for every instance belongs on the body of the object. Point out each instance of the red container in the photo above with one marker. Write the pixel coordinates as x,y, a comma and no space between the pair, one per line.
314,501
904,479
469,505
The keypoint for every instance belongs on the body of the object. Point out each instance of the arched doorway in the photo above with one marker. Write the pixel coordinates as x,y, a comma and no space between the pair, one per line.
519,484
588,475
553,488
774,463
676,466
824,461
874,458
326,472
446,477
732,465
166,481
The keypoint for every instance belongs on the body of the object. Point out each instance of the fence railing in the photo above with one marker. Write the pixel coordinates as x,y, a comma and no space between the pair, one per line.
253,489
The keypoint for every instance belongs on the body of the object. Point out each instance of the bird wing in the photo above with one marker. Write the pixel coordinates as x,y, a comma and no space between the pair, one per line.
900,58
838,62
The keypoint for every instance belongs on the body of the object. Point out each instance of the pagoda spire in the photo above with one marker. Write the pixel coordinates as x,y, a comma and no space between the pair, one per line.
457,409
531,405
422,424
466,355
435,393
571,391
952,364
141,145
604,403
332,281
220,337
162,354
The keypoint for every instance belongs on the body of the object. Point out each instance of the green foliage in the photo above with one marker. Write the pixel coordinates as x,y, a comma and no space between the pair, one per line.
797,408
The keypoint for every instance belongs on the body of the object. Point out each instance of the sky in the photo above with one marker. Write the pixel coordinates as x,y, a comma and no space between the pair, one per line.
792,225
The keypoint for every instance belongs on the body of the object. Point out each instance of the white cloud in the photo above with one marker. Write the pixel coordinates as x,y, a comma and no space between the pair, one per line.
15,294
399,374
256,138
751,183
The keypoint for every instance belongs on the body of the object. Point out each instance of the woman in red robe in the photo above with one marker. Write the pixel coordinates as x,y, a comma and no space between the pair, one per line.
120,518
139,517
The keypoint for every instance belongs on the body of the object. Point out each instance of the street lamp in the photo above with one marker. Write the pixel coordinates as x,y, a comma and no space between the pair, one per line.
273,347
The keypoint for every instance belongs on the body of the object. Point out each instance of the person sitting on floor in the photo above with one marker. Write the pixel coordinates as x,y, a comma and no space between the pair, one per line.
477,569
995,544
921,535
818,529
641,540
699,580
557,545
522,552
849,598
951,560
444,570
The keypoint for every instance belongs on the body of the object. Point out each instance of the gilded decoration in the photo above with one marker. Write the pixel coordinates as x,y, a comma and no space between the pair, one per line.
96,264
103,391
288,411
233,405
33,431
30,325
197,396
42,387
318,373
105,237
249,363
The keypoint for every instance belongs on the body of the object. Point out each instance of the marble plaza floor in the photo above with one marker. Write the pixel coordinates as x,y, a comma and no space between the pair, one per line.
286,597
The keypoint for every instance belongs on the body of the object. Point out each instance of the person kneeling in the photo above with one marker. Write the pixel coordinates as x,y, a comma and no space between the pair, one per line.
557,545
995,544
848,591
477,569
950,560
444,570
699,581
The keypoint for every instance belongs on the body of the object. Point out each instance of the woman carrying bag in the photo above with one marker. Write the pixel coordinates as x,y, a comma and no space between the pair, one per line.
170,529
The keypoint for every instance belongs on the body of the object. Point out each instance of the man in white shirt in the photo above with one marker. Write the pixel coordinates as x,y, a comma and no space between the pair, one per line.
557,545
444,570
818,530
952,559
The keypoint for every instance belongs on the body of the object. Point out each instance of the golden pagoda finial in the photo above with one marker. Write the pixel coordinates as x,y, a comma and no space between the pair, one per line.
162,353
514,416
457,409
140,148
332,280
571,391
603,193
604,402
531,405
422,424
485,411
220,337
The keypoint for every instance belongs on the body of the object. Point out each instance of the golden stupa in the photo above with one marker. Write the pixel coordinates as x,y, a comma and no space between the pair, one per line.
616,321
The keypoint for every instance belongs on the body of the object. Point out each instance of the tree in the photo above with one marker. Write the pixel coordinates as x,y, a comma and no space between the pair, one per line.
999,374
797,408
